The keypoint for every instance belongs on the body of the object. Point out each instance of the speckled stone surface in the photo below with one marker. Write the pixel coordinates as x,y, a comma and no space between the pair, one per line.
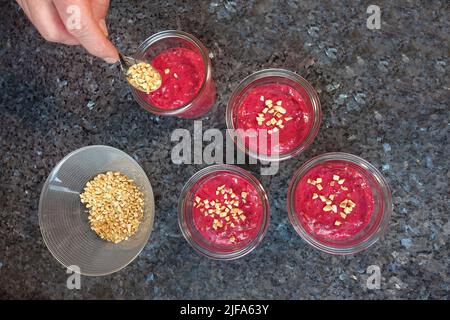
385,97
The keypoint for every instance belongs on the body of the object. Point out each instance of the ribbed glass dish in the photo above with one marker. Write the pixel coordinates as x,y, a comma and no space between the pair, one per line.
63,219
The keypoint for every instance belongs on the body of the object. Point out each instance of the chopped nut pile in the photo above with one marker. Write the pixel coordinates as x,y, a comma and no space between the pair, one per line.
272,116
144,77
345,207
116,206
225,209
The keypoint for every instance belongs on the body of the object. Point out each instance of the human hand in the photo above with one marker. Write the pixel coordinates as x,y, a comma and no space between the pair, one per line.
73,22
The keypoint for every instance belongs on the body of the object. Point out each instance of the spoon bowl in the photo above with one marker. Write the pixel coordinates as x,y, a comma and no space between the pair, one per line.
139,74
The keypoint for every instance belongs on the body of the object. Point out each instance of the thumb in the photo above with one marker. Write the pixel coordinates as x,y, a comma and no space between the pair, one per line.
80,22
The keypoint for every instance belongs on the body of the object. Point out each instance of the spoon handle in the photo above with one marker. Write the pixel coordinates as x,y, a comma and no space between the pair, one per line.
126,62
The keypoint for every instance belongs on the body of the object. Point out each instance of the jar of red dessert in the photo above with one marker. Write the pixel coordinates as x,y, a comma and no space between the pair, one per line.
187,88
223,212
281,108
339,203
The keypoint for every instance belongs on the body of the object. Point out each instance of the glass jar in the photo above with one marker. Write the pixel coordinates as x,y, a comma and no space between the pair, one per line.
379,217
202,102
186,217
279,77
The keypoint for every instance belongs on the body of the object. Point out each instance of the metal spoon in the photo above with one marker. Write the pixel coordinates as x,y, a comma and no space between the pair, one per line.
141,75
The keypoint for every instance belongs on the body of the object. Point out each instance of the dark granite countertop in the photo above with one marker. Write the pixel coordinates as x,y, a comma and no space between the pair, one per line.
385,97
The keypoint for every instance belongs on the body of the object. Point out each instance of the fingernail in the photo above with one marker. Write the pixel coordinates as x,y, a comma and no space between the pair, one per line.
102,24
110,60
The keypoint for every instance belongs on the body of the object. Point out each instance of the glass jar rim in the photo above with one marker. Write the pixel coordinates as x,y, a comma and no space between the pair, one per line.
302,82
206,63
386,213
182,209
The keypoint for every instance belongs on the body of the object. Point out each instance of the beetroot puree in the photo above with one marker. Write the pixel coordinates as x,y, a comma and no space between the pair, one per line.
342,207
227,209
295,124
182,72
